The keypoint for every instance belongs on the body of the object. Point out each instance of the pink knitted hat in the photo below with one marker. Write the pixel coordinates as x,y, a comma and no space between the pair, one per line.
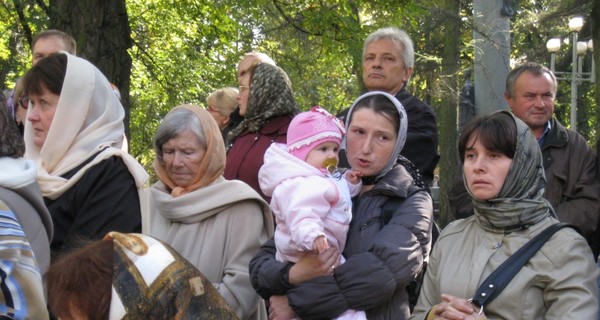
311,128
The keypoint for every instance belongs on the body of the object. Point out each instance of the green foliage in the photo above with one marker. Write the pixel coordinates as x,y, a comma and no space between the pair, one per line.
183,50
181,53
17,24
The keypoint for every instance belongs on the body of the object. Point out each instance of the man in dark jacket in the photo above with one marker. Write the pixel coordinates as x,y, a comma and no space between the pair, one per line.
388,62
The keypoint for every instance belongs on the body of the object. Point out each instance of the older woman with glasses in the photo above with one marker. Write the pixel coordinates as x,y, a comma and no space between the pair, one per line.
268,105
17,105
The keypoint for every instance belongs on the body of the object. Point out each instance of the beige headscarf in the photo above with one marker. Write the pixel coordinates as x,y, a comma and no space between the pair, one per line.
213,163
87,120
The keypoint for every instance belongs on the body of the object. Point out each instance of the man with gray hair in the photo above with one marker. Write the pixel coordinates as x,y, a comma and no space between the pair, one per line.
387,64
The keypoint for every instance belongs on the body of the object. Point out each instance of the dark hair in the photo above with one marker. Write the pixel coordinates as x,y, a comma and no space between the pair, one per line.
497,132
382,105
69,41
11,142
536,69
49,73
80,281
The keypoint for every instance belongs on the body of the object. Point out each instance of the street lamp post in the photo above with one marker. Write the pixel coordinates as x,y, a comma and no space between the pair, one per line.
576,75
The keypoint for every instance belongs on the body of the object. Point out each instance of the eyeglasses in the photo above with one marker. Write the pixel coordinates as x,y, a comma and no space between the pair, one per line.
242,88
24,102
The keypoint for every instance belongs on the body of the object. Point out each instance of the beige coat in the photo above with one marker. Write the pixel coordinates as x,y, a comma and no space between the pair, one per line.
218,228
559,282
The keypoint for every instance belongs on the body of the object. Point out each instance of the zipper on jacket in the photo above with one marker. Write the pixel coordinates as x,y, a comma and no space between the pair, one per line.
367,224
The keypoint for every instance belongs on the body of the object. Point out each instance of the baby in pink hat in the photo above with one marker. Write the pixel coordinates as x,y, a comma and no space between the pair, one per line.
310,196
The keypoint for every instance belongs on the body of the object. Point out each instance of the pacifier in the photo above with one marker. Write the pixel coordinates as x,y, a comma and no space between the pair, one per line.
330,165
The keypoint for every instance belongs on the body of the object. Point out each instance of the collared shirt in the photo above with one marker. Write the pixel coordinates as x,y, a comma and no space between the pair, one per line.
542,138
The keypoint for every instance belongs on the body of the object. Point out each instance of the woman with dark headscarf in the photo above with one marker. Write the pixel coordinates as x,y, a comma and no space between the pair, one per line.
267,104
214,223
504,176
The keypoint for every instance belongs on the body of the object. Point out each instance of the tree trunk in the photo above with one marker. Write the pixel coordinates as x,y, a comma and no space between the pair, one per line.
447,118
101,29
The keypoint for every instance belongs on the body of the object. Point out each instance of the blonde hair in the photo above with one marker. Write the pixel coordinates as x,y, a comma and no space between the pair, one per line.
224,100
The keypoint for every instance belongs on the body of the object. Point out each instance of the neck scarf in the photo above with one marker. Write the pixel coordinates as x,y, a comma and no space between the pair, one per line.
270,96
213,163
520,203
400,140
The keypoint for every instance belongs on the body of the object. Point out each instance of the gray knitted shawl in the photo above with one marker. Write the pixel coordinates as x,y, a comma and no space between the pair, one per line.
520,203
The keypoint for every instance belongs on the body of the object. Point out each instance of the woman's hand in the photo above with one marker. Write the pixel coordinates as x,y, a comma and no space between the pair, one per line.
313,265
454,308
279,309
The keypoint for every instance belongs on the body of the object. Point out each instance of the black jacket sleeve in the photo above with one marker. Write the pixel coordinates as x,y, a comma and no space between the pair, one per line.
268,276
328,297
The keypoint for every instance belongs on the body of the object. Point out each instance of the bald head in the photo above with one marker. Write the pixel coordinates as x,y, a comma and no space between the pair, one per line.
251,59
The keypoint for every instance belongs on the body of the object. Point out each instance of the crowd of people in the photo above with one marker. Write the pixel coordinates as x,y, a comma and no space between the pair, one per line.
261,211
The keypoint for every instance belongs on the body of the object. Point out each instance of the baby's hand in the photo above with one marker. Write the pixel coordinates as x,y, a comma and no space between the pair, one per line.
320,244
353,176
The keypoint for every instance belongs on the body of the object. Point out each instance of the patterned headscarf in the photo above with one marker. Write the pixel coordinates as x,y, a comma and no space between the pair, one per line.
212,164
270,96
520,202
152,281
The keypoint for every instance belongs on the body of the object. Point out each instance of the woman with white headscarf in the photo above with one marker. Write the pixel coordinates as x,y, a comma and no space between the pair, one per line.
74,133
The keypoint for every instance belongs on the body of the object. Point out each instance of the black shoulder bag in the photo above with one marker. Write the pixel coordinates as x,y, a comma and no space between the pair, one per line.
501,277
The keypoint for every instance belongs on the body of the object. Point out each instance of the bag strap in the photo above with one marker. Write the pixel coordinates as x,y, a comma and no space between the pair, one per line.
499,279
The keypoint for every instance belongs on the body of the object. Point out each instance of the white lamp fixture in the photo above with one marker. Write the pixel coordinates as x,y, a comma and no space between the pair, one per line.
581,48
553,45
575,24
576,75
